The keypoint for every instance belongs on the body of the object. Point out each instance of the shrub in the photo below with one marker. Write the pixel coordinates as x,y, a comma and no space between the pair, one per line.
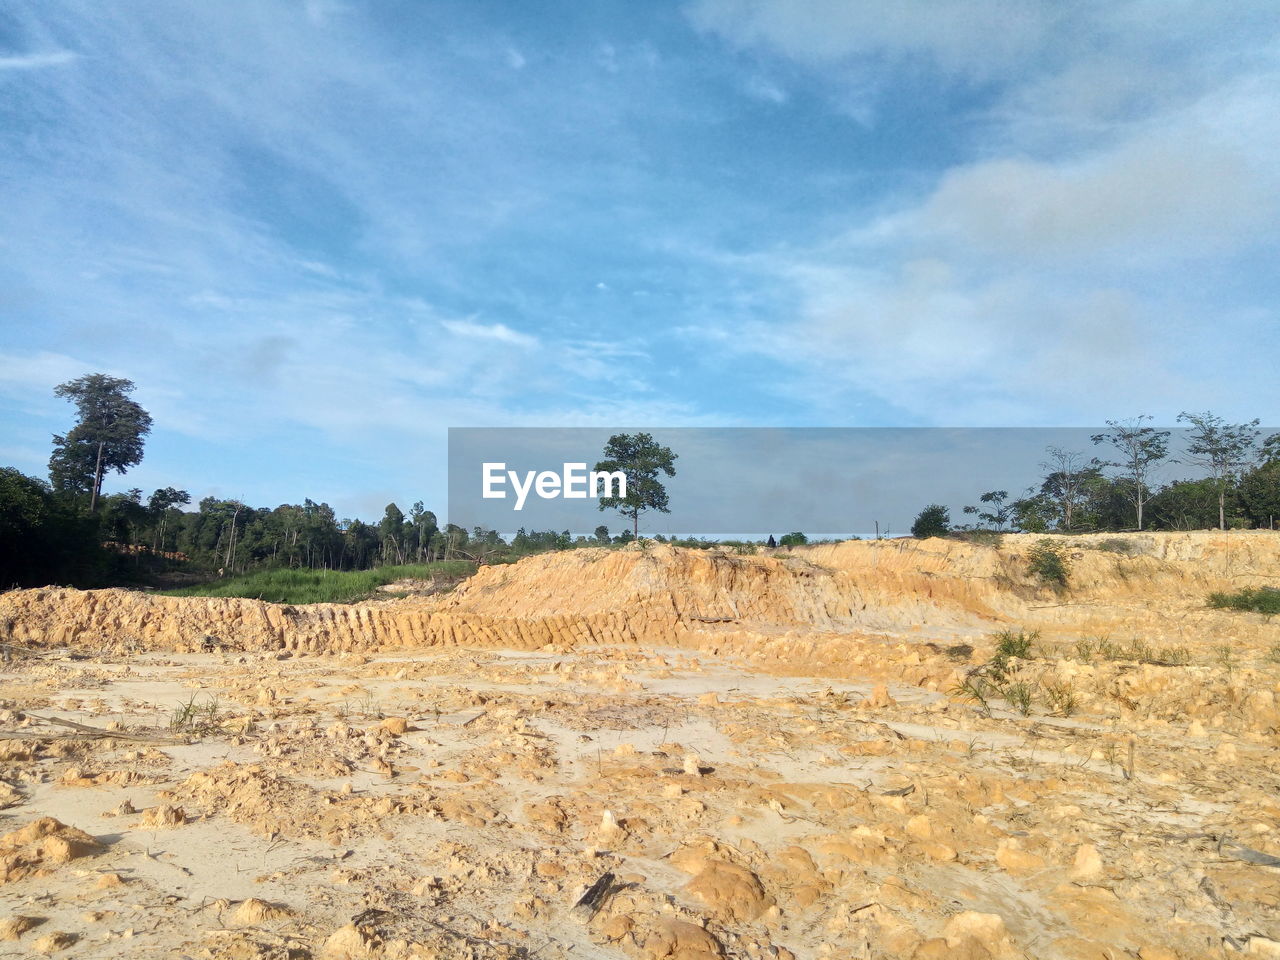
933,521
1264,600
1049,563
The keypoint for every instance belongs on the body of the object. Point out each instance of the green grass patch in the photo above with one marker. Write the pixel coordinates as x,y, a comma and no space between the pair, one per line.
1264,600
323,586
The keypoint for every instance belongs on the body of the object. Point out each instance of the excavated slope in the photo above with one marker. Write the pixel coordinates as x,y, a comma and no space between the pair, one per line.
1153,587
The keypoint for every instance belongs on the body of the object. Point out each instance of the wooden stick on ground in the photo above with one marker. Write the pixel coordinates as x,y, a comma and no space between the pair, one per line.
591,902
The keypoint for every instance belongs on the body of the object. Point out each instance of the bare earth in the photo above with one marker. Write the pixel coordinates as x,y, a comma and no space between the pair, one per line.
770,756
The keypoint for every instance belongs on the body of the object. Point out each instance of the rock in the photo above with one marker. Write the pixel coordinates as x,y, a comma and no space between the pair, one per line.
680,940
692,765
396,726
1263,947
1087,866
43,842
732,892
53,942
350,943
1011,856
254,912
1156,953
986,929
163,817
920,827
879,699
15,926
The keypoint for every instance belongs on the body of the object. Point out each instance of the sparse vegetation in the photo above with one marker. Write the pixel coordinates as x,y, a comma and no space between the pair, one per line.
195,718
1048,562
1138,651
324,586
1060,697
1020,695
1264,600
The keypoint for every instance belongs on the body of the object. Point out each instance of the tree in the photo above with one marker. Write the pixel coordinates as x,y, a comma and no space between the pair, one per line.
1000,512
1067,481
602,534
1140,447
1260,494
933,521
794,539
391,530
1220,448
424,528
771,543
42,539
641,459
108,435
158,505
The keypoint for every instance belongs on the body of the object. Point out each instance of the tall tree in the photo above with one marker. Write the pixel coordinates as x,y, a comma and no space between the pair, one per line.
1067,481
641,459
159,505
391,531
1140,447
107,436
1221,449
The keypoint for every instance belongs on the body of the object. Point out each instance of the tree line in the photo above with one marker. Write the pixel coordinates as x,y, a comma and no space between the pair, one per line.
1239,487
65,530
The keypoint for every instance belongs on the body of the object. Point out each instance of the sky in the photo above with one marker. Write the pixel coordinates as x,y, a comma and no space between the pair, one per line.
318,234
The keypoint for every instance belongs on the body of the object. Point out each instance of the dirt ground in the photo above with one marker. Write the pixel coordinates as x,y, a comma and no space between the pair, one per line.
754,788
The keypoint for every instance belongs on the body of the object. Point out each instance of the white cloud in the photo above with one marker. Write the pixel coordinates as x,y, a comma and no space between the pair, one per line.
37,61
498,332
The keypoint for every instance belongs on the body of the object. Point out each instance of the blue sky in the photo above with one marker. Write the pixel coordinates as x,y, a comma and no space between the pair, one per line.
318,234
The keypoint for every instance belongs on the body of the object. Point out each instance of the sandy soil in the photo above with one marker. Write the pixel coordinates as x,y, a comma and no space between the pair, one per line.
457,802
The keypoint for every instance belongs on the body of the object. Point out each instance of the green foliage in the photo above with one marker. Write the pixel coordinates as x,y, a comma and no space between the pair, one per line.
1019,694
1220,448
1114,545
999,512
1259,494
794,539
323,586
1049,563
641,459
933,521
1011,646
1264,600
107,436
1140,447
44,539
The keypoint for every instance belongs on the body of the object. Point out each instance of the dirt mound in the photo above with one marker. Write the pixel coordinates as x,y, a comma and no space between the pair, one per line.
776,607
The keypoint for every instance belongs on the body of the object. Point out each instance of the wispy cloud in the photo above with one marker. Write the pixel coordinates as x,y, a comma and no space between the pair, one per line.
37,61
318,235
498,332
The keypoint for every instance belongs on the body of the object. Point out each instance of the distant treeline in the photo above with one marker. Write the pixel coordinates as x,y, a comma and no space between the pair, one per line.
67,531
